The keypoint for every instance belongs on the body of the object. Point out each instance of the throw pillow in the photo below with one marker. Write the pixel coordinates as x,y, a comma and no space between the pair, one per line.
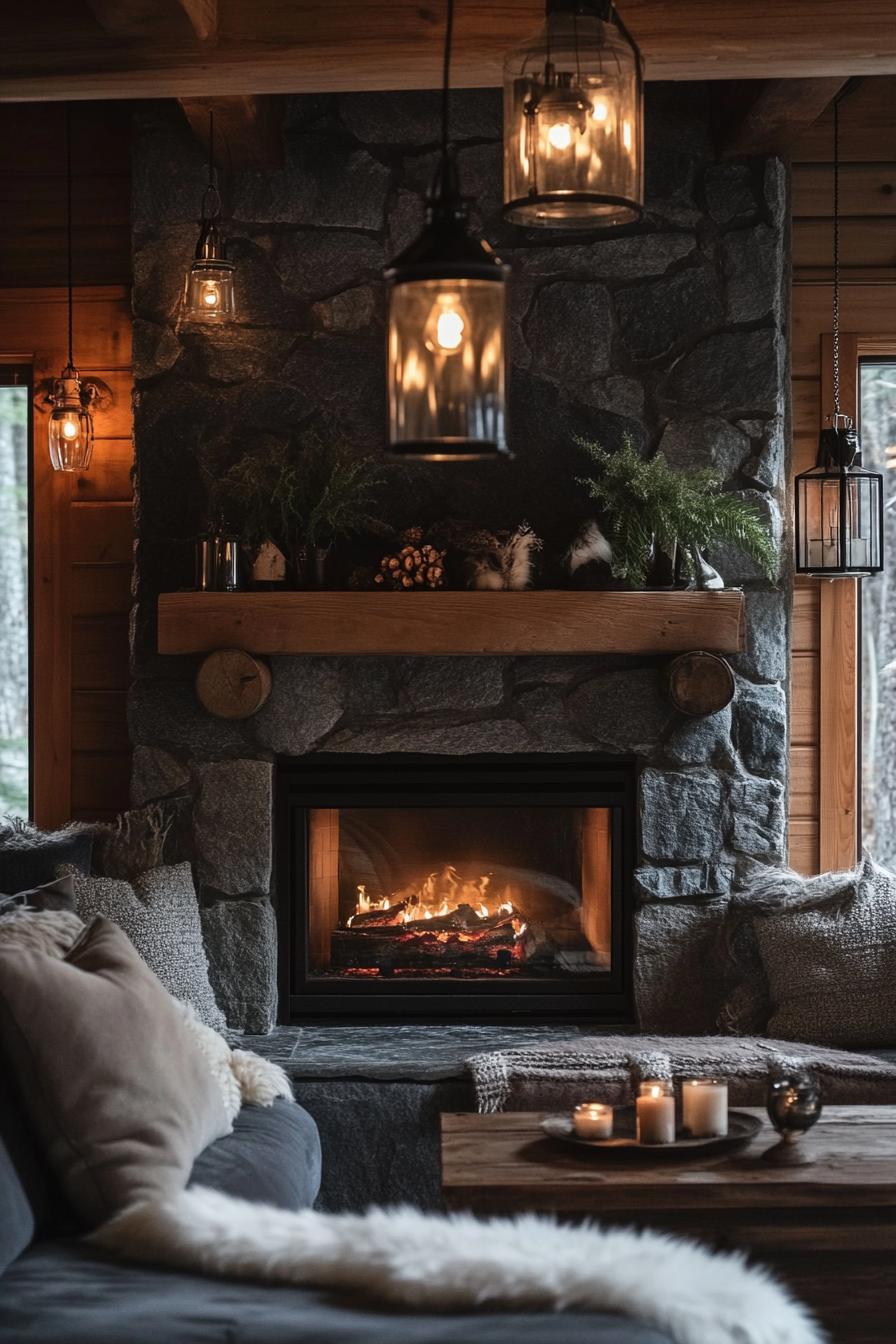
114,1080
58,895
160,914
30,858
831,967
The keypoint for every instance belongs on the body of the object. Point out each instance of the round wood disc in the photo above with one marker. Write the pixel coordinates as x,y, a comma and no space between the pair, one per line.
231,684
700,683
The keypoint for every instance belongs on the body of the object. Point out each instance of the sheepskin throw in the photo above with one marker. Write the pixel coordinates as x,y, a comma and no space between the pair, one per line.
160,914
458,1263
541,1078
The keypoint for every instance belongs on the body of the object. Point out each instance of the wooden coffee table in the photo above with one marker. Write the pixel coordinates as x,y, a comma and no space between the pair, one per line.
829,1228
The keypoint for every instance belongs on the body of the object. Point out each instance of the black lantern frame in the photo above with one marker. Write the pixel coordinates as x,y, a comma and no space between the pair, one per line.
839,513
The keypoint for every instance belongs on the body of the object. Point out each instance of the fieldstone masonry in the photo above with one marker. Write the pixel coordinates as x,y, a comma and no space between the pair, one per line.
672,330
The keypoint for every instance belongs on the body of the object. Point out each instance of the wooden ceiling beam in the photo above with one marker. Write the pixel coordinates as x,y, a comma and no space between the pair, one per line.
776,113
248,129
145,20
303,46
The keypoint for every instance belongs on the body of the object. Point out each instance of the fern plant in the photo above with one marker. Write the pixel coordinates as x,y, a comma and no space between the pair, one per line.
646,503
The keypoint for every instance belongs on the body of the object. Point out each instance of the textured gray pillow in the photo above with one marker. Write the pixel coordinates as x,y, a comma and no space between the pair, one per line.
831,967
159,912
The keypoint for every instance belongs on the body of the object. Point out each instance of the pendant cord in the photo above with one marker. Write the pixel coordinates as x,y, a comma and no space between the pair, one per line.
68,225
446,74
836,314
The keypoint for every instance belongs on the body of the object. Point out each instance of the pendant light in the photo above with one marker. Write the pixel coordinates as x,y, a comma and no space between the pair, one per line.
573,122
838,506
71,419
208,288
446,327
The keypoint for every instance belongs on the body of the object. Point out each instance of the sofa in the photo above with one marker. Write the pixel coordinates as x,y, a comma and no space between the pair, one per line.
56,1289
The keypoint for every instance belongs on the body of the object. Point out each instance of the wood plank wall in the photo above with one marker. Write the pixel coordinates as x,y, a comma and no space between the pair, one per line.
83,524
822,821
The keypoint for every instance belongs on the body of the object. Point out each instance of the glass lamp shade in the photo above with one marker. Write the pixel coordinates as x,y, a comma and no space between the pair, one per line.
839,521
573,123
70,431
208,291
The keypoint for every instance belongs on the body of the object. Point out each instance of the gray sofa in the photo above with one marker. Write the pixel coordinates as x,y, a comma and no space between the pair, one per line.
54,1289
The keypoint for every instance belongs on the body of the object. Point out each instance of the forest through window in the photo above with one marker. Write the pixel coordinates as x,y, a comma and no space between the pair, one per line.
14,642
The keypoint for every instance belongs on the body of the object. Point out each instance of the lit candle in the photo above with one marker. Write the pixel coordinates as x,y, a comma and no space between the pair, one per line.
704,1103
655,1112
593,1120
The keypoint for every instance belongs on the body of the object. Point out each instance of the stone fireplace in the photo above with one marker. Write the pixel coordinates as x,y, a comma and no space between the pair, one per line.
450,887
671,331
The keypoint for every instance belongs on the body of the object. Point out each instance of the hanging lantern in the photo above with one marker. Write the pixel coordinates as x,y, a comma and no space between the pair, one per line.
573,122
446,328
208,288
838,506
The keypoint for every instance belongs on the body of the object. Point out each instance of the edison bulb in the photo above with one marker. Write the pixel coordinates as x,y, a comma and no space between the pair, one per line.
560,135
210,295
69,429
447,325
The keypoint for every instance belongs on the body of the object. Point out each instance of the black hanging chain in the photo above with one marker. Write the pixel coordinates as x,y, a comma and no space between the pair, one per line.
211,198
68,226
836,334
446,74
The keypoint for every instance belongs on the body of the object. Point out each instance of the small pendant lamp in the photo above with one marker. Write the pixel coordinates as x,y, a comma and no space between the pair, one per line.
573,122
838,506
208,287
70,431
446,327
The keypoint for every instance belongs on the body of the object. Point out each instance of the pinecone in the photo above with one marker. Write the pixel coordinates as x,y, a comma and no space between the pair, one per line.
414,566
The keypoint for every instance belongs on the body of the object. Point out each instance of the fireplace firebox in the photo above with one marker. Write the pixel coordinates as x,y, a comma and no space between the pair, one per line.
480,886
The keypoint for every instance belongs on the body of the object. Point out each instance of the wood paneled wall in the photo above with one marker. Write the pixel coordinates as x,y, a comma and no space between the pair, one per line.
823,793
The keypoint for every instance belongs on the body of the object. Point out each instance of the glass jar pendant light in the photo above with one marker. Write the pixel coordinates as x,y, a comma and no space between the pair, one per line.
838,506
573,122
208,288
446,327
70,431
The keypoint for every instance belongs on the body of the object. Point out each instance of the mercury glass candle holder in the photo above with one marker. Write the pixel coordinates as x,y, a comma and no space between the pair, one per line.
794,1105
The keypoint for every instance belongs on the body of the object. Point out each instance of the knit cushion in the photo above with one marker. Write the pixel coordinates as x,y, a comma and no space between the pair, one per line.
160,914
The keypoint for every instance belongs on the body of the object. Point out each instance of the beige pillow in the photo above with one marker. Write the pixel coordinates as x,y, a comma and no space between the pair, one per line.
113,1079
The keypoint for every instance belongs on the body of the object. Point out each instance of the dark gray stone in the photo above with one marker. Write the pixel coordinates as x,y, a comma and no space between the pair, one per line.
569,332
404,222
625,712
608,258
156,349
689,880
314,265
167,714
454,683
324,184
156,774
735,566
679,982
700,741
544,712
766,657
705,441
757,819
761,723
618,393
305,704
775,190
730,195
733,373
352,310
460,739
241,944
659,317
416,118
234,354
369,687
681,815
232,826
160,265
753,267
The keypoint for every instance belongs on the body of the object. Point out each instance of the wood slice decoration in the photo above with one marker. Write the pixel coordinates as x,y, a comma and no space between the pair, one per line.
700,684
231,684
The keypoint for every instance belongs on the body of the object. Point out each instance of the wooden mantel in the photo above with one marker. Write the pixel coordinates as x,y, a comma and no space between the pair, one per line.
452,622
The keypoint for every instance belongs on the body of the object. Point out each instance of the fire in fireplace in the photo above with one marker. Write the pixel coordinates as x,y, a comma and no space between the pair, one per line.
493,884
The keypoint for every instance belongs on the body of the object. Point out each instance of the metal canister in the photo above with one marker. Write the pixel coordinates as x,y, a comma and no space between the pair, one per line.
206,580
229,566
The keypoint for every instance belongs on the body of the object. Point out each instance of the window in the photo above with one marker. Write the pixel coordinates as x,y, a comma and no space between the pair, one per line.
15,409
877,422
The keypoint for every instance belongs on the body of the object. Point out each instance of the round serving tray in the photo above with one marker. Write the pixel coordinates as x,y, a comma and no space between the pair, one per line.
741,1128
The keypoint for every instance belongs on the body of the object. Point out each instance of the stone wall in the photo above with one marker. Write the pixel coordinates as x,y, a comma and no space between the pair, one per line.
671,330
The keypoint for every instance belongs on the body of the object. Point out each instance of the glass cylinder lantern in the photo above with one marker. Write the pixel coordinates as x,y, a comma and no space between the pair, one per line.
446,337
70,433
573,122
839,510
208,289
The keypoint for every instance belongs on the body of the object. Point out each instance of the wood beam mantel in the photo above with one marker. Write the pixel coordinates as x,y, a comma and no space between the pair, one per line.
248,129
164,48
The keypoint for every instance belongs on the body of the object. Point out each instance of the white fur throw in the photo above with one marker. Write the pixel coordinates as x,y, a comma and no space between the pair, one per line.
460,1263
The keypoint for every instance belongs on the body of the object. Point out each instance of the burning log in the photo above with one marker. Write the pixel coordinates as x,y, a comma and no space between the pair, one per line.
424,942
372,919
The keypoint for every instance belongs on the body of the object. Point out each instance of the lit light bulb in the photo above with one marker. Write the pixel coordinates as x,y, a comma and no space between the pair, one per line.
560,135
69,429
447,326
210,295
601,111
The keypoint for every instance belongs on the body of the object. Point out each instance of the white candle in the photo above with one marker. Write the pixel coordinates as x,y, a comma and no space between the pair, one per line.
655,1112
593,1120
704,1105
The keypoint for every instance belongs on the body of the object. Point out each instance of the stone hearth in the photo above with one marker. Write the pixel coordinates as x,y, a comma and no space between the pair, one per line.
671,330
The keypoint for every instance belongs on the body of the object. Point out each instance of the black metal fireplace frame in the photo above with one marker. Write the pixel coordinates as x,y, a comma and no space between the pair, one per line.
409,779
